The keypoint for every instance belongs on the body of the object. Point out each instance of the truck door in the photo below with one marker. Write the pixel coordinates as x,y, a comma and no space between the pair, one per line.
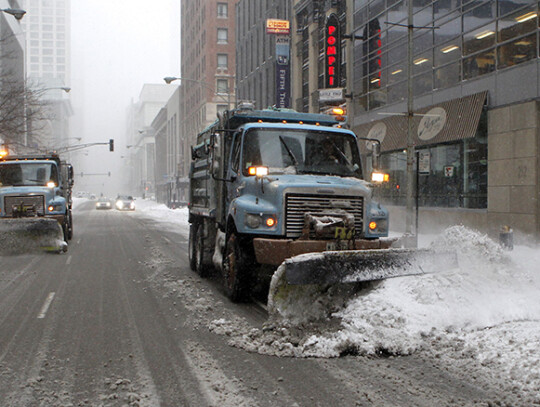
234,173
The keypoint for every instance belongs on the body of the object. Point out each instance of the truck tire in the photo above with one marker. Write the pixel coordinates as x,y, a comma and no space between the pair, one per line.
70,226
191,249
236,268
196,250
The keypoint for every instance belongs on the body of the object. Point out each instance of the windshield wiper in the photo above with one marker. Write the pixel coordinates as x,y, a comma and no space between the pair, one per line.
293,158
341,153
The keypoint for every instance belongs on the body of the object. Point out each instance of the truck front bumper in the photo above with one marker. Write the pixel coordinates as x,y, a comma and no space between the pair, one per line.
275,251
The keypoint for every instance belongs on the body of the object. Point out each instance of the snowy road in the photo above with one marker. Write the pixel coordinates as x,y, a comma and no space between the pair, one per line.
121,320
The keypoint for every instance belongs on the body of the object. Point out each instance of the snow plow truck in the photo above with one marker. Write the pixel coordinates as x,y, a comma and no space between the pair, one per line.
35,203
276,187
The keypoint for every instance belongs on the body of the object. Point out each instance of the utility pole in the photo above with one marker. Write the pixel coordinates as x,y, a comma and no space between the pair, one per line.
410,138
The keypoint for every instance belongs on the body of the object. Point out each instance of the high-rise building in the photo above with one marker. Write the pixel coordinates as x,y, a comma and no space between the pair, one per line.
12,87
208,65
47,25
261,77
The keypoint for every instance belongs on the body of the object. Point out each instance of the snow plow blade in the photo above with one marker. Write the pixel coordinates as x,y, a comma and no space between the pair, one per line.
352,266
29,235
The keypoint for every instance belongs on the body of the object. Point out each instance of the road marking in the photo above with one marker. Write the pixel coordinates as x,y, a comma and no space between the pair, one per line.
68,261
46,306
79,241
166,239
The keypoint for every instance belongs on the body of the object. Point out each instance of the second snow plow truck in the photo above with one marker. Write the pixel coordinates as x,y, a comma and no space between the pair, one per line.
35,203
277,187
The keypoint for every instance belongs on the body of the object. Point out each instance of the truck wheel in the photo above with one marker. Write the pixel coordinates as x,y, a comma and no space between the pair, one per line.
191,250
70,227
236,264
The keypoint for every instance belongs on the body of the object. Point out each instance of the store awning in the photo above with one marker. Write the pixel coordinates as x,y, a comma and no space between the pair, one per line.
456,119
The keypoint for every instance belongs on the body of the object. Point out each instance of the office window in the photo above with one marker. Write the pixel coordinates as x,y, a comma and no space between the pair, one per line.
222,10
222,86
222,36
222,61
517,51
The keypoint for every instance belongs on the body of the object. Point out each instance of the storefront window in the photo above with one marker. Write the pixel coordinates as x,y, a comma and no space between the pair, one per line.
455,176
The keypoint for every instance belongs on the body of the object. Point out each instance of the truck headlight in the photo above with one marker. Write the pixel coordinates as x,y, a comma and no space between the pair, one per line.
255,221
252,221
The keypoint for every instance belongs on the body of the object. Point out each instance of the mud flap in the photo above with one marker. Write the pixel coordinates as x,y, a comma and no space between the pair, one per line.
365,265
29,235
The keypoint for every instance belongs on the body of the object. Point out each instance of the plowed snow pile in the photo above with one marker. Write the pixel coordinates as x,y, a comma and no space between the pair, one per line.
486,312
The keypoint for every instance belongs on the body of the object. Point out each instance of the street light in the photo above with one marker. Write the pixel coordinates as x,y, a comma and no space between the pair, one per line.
15,12
169,79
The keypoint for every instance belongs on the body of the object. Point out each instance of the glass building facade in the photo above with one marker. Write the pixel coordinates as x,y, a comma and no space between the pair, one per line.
454,41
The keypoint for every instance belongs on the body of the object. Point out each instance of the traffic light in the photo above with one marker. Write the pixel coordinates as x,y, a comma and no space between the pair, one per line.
111,145
333,52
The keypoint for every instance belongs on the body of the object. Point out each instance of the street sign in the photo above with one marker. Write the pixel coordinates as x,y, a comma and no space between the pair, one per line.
424,162
449,171
331,95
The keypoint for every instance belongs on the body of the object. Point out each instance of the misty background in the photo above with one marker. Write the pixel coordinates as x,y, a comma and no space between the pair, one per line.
117,46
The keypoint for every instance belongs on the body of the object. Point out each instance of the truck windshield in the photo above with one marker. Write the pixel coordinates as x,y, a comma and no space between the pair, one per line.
302,151
27,174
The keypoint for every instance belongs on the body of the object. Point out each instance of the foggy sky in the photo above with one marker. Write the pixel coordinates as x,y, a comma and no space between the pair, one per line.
116,47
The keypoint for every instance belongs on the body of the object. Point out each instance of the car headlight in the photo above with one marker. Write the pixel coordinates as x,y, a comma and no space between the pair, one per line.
132,205
119,204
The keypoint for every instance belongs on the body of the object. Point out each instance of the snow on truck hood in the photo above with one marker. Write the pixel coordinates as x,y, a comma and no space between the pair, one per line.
314,180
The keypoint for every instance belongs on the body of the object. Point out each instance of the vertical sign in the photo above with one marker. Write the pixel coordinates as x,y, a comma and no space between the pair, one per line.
332,52
283,83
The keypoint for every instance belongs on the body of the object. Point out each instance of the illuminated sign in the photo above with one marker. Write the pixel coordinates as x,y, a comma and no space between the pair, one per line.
332,52
274,26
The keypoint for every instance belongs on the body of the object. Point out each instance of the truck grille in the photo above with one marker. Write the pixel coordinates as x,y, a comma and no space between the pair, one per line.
297,205
28,201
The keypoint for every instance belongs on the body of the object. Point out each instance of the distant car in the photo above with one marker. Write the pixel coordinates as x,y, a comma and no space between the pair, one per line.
125,203
103,203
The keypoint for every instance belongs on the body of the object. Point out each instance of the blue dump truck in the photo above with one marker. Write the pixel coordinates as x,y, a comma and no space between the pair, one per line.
35,203
272,187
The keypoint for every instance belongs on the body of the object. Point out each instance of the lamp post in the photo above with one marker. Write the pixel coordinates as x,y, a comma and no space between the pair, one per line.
169,79
15,12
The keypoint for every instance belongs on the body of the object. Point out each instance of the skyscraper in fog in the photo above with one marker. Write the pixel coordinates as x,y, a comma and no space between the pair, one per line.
47,26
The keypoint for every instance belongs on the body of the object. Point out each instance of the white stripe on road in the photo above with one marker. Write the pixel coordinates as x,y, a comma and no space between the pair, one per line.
68,261
46,306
